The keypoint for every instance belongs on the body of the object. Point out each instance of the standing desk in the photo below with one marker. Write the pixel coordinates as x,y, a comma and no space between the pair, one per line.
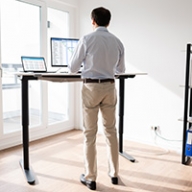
61,77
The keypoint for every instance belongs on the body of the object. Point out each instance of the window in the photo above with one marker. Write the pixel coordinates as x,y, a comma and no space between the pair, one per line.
20,35
26,28
58,108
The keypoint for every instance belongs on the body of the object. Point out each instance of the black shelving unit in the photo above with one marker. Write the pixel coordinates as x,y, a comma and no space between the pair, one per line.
187,105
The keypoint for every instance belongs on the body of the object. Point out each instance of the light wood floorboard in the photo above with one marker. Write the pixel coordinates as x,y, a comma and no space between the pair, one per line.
58,163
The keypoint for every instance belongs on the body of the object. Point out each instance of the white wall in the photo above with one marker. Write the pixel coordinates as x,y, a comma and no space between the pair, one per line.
67,2
155,34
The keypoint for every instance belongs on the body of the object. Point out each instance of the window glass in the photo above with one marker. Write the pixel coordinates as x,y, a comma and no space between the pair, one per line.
20,35
58,101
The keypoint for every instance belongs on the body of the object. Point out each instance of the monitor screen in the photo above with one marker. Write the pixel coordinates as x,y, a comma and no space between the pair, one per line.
62,50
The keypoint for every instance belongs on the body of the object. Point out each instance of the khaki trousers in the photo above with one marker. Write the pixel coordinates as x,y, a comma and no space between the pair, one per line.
95,97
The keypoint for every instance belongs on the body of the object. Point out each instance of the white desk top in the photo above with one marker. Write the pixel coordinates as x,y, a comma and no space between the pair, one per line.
66,74
66,77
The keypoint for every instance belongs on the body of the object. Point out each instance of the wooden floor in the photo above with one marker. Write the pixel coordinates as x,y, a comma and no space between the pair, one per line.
58,163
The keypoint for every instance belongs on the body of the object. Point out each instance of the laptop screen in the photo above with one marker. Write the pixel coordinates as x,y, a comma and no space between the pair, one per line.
33,64
62,50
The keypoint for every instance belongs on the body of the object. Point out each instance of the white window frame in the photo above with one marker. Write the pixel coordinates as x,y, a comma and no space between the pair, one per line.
1,102
12,139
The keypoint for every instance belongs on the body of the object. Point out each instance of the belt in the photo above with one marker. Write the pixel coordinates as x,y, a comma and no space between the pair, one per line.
98,80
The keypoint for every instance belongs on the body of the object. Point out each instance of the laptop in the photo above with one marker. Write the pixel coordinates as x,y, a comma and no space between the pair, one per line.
35,65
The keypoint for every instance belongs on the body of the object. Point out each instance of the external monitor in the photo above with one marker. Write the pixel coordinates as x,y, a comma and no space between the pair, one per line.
62,50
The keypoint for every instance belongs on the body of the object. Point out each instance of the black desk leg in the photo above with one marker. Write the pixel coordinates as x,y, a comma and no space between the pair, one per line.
25,123
121,120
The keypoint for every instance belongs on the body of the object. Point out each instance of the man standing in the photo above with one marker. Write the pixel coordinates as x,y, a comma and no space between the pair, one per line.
102,56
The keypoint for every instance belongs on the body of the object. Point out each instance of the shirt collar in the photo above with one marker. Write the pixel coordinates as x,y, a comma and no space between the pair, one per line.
101,29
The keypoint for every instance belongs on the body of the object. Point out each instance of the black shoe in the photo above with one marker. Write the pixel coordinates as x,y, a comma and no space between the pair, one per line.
114,180
90,184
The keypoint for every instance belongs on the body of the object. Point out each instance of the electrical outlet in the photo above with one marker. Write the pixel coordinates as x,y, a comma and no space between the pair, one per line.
155,128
